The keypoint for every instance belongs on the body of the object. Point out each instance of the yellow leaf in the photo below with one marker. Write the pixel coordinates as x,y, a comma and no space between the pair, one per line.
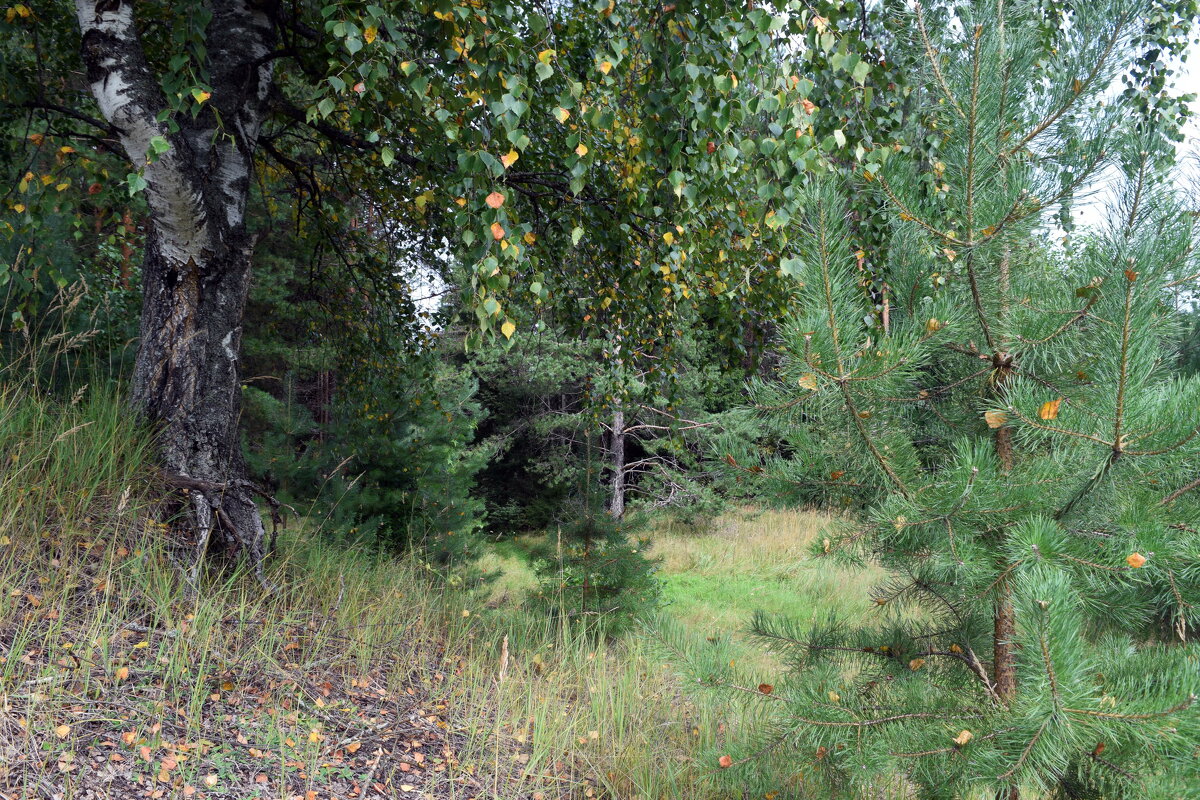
529,238
963,737
509,158
66,150
545,56
370,33
201,96
508,329
916,664
62,731
933,325
314,736
808,381
1049,409
669,237
995,419
62,187
141,645
1135,560
606,67
834,697
581,150
19,207
462,201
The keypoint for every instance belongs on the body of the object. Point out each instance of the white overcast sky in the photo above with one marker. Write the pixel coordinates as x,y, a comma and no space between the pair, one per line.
1187,81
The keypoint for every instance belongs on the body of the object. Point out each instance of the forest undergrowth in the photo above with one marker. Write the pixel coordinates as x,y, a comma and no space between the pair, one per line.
361,675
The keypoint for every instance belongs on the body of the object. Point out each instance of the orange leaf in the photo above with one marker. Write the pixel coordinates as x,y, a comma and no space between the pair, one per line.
725,761
766,688
995,419
1130,275
1135,560
916,664
1049,409
495,200
963,737
497,231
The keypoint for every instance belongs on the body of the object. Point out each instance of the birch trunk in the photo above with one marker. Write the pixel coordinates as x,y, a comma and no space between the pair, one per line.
196,272
616,506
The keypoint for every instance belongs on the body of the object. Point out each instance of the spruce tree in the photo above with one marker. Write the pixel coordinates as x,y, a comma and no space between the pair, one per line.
1015,428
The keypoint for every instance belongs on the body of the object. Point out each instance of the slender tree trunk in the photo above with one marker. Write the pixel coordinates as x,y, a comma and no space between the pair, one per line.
616,506
196,271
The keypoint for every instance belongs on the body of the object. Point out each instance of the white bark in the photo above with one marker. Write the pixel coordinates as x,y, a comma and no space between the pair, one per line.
122,88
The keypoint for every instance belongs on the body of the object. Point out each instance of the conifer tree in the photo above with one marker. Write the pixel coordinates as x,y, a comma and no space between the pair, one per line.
1015,427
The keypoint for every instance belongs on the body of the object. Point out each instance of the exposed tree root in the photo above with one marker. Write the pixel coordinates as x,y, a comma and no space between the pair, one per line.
229,510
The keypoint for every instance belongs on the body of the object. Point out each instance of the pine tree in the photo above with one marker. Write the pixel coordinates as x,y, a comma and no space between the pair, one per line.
1017,432
594,570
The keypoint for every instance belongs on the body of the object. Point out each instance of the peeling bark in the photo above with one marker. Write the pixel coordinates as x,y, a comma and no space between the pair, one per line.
196,273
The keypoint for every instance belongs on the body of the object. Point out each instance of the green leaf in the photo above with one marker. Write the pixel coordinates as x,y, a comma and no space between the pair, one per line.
792,266
543,71
136,182
387,156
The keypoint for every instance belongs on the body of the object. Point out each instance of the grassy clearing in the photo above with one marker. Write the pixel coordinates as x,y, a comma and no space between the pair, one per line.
360,677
